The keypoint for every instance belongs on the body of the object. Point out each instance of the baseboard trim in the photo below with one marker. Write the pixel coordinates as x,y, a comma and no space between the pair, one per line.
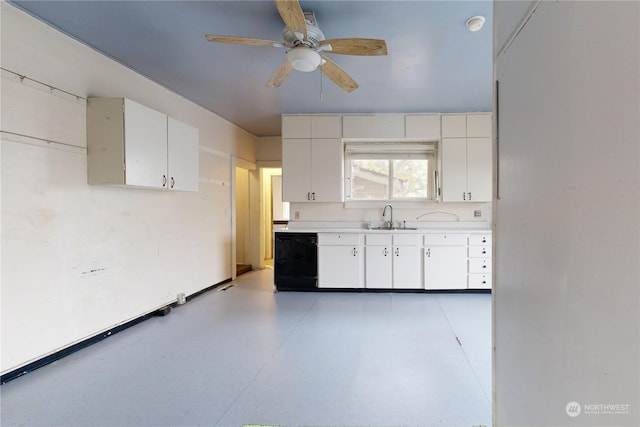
30,367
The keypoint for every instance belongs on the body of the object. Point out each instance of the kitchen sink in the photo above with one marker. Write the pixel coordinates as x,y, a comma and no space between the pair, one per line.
392,228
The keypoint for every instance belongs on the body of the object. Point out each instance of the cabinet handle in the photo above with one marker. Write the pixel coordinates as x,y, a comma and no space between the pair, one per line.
484,265
397,251
313,196
484,251
469,195
386,251
355,252
308,196
464,196
164,180
173,182
428,253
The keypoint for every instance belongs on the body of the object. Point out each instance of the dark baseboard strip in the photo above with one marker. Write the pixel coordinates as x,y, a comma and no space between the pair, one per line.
12,375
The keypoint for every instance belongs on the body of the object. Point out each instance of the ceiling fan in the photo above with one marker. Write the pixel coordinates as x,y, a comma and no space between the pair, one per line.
305,41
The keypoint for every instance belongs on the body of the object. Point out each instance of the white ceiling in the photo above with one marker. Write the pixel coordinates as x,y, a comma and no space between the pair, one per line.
434,63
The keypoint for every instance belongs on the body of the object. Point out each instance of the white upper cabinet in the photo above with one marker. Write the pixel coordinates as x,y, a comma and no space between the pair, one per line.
479,125
423,126
312,168
454,126
326,126
466,125
296,126
182,160
312,126
145,145
373,126
133,145
466,158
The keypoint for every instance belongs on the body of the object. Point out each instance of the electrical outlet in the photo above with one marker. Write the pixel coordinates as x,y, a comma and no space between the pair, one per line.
297,215
477,213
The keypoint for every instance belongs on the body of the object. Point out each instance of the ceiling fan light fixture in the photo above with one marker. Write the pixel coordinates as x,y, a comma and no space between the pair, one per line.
303,59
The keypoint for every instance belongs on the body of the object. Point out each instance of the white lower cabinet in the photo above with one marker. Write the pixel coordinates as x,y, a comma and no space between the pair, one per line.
393,261
445,261
378,261
340,260
407,261
435,261
480,261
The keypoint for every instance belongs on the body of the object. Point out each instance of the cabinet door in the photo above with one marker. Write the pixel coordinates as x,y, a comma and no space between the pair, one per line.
326,126
296,165
425,126
326,170
445,267
339,267
479,125
407,267
373,126
454,125
454,169
145,147
378,267
479,170
182,160
296,127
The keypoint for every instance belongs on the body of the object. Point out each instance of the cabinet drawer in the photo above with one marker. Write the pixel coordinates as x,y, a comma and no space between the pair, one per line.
479,251
445,239
349,239
406,240
479,239
479,265
479,281
377,239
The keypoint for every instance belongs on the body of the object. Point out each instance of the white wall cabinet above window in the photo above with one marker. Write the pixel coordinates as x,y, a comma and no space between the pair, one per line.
383,126
132,145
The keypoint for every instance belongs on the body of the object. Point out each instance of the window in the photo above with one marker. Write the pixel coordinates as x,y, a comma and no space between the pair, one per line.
390,170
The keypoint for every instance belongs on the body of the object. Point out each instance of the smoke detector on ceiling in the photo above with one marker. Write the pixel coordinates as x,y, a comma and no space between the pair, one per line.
475,23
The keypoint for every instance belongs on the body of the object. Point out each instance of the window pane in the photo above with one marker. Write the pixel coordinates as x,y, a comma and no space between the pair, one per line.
410,178
369,179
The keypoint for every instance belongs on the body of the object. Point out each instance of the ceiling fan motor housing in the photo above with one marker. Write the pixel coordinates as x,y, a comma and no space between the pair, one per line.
314,35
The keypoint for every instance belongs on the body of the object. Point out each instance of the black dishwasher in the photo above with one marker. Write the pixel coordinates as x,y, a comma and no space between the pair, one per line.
295,263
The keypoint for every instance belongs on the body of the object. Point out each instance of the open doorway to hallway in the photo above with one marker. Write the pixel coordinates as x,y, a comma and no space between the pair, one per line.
242,221
275,211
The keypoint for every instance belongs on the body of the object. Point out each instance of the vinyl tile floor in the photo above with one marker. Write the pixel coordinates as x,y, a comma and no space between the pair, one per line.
248,355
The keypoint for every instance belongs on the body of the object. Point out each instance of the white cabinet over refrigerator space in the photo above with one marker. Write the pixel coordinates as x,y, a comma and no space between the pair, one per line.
132,145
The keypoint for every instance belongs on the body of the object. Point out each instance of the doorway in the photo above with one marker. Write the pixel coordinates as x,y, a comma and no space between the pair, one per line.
275,211
242,220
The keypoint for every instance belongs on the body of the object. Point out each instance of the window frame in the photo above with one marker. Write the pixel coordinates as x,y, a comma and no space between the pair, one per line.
389,151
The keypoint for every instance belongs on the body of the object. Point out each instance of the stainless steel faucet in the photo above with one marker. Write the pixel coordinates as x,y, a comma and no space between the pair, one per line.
384,211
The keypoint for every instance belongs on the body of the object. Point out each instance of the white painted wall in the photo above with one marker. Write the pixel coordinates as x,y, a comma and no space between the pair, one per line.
80,259
567,223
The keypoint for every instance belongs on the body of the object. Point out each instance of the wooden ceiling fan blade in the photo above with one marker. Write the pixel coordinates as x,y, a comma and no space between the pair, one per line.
292,16
338,75
281,73
242,40
355,46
